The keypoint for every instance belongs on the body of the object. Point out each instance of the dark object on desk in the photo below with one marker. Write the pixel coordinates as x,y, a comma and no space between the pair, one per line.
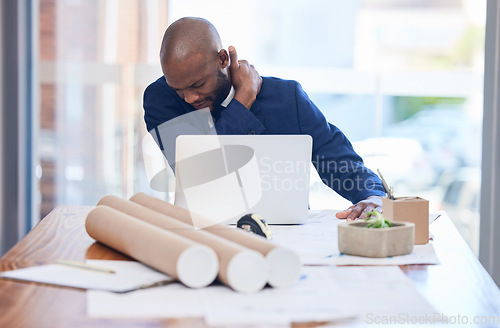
256,224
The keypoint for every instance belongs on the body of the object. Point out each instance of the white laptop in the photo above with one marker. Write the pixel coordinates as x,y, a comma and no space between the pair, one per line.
225,177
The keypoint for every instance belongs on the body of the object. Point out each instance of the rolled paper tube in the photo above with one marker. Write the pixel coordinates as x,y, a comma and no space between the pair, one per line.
284,265
240,268
193,264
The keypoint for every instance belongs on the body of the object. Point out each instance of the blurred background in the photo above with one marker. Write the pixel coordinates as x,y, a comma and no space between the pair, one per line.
403,79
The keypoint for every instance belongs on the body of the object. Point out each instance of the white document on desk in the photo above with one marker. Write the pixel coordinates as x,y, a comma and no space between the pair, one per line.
128,276
422,254
316,243
172,301
323,294
314,298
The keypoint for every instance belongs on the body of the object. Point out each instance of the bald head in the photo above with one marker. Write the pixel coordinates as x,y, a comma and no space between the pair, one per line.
194,63
189,36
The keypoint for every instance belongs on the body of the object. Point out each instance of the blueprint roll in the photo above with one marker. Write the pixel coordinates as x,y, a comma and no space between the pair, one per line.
283,264
193,264
240,268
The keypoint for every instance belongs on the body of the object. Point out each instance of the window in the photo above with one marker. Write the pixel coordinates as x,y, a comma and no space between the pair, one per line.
402,79
96,58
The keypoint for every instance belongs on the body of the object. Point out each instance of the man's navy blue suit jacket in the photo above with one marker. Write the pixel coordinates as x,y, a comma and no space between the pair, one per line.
281,107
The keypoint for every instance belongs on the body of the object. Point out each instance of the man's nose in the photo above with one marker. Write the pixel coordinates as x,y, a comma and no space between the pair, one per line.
190,96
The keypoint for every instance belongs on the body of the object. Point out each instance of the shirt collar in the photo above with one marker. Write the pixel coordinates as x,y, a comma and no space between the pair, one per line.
229,97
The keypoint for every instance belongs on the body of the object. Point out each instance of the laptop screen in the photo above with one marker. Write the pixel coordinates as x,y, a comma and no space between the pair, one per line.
225,177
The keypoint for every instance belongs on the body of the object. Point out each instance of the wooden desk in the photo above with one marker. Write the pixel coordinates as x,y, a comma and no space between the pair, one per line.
458,286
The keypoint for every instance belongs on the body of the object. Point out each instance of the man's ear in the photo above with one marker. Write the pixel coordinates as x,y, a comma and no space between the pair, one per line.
223,58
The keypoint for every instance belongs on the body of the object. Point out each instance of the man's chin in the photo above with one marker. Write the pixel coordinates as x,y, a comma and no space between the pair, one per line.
213,105
205,104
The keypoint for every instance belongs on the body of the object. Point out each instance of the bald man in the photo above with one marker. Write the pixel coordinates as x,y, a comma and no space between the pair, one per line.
199,73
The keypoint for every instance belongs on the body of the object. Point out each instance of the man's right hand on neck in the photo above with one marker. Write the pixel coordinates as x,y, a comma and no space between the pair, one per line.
244,78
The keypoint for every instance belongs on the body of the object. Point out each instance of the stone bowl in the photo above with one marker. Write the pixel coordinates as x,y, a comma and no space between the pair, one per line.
356,239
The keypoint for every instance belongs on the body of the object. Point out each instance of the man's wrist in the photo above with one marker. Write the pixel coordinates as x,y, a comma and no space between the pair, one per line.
374,199
246,98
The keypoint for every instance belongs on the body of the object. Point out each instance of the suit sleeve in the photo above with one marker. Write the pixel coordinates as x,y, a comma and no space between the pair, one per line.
338,165
160,105
237,119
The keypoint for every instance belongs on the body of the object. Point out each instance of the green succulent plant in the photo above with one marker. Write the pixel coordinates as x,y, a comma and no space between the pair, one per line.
377,220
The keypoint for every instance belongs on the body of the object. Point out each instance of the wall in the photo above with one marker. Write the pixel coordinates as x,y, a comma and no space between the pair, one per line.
15,129
1,124
490,183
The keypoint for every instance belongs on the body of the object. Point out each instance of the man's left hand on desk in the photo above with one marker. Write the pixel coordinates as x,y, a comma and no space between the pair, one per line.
360,209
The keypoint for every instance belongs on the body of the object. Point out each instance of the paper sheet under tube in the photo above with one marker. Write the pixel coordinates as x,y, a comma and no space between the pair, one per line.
128,276
193,264
240,268
283,264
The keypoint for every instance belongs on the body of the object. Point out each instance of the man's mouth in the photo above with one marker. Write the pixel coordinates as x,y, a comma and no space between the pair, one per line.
200,105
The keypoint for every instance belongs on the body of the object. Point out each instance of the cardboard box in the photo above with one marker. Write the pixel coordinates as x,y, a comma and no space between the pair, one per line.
409,209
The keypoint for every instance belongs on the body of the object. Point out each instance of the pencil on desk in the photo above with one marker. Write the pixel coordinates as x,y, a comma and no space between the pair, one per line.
85,266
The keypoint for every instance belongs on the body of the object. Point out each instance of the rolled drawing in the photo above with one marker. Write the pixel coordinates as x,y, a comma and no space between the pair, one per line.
284,265
240,268
193,264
